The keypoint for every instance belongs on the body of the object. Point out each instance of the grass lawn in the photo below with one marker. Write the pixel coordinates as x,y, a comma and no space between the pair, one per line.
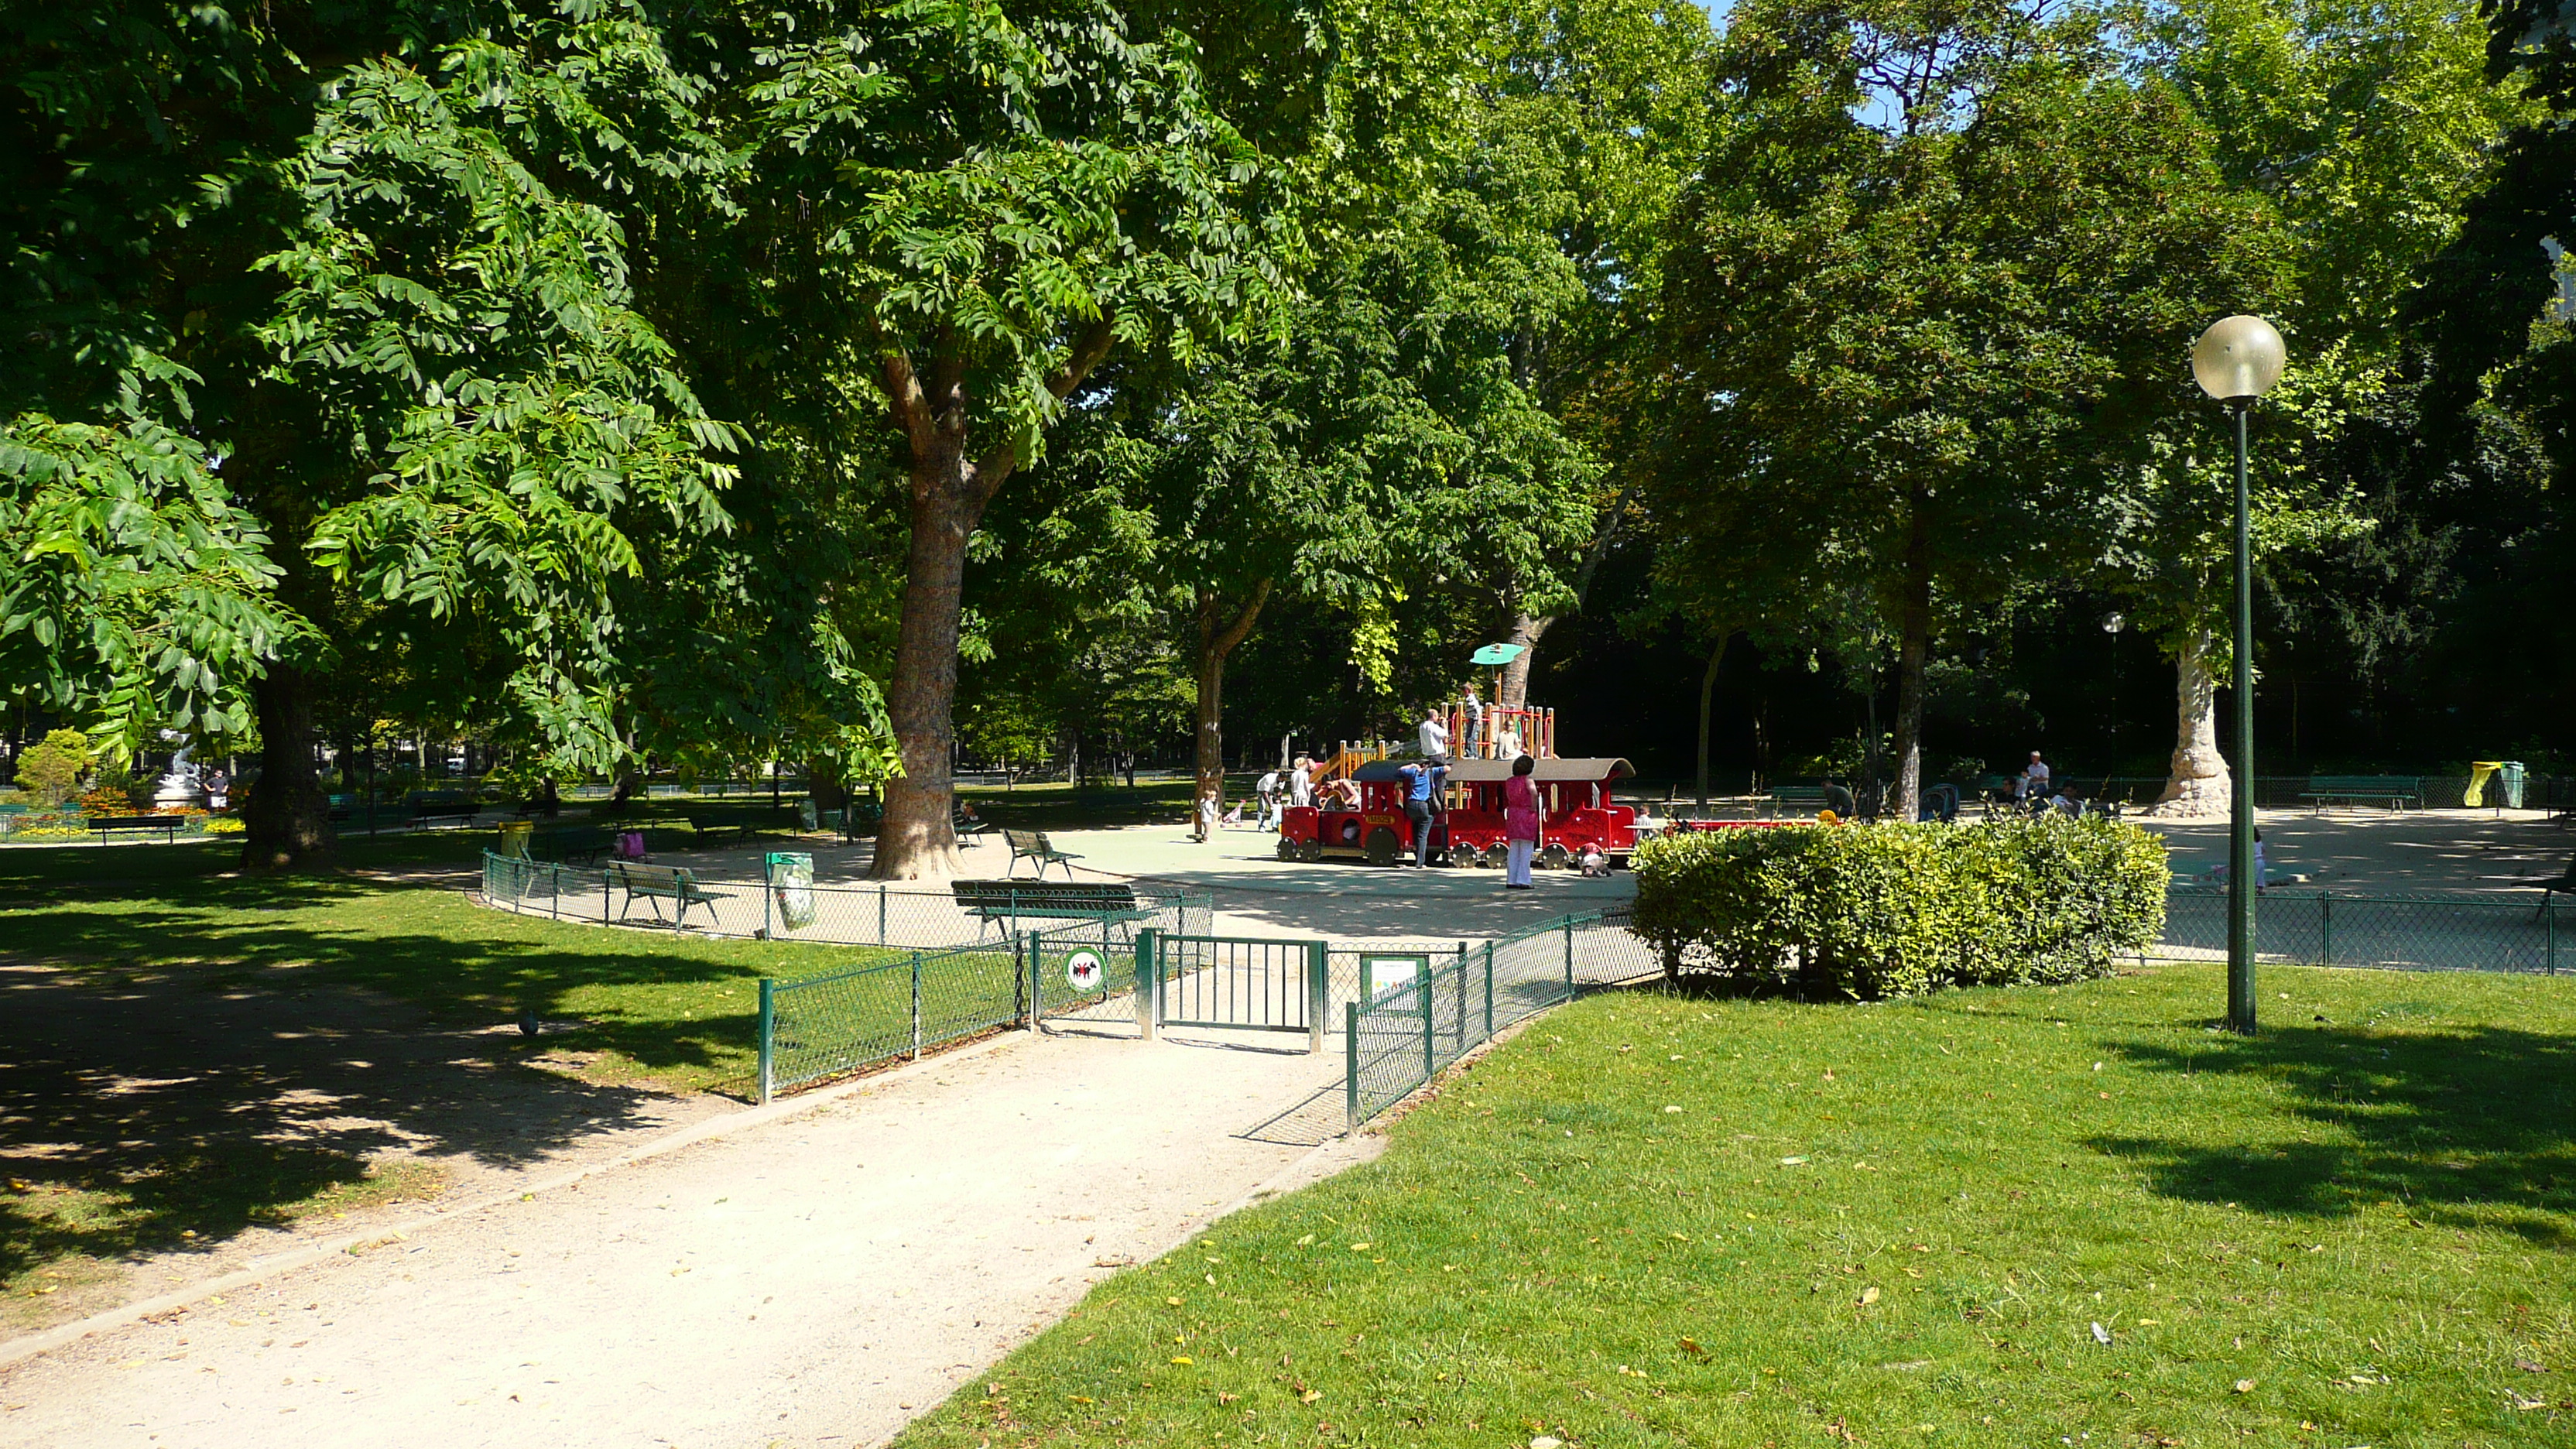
186,1052
1896,1224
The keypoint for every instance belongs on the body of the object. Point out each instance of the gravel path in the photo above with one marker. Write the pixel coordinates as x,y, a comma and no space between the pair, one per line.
810,1280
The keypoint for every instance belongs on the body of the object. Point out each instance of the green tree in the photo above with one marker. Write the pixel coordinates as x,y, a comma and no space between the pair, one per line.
52,767
1926,298
2361,127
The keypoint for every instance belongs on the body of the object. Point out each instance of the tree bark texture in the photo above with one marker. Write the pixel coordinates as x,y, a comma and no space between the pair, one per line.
1914,626
949,489
2198,786
918,838
1707,689
1217,639
287,821
1512,690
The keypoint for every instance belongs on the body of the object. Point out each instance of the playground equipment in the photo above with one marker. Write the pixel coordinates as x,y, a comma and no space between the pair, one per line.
1576,814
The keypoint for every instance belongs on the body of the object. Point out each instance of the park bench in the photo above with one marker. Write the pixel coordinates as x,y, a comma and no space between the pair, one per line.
710,831
2550,885
970,831
2396,791
588,843
338,807
997,900
654,884
1033,845
428,807
1798,799
107,825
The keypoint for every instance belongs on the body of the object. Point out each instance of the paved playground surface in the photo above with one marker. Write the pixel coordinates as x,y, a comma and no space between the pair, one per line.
815,1280
2393,852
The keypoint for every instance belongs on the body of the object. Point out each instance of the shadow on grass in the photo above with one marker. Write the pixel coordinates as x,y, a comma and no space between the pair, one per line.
2464,1125
181,1056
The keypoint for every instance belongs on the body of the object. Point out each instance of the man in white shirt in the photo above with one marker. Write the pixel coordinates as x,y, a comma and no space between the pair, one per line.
1435,735
2034,778
1268,789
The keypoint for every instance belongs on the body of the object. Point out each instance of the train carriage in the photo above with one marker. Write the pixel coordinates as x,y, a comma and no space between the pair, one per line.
1576,812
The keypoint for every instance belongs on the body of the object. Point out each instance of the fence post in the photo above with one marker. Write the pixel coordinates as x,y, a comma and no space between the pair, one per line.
2549,910
881,894
768,1040
1462,998
1489,992
1430,1048
2325,928
1351,1066
768,897
1027,988
916,1006
1569,956
1147,982
554,900
1319,993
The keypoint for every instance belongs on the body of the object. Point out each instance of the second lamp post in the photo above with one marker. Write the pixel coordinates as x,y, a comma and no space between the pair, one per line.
2236,361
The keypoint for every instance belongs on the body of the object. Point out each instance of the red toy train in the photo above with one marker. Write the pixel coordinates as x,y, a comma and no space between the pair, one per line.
1576,813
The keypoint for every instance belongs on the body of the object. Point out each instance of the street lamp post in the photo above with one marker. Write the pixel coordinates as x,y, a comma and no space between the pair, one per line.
2236,361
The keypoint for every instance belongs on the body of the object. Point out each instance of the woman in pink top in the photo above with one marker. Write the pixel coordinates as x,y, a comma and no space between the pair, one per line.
1520,823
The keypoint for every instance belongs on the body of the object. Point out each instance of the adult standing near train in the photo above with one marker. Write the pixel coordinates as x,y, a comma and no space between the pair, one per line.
1520,823
1435,735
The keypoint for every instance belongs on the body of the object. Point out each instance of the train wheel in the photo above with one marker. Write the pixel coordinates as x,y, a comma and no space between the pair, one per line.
1555,857
1381,848
1288,849
1312,850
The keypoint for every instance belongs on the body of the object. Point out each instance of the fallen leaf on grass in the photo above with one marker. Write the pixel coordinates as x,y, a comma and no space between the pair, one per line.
2101,1335
1182,1359
2527,1366
1868,1296
1310,1396
2244,1386
1792,1161
1362,1247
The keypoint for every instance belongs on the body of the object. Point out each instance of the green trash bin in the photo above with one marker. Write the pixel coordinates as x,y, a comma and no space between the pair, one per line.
2510,776
791,879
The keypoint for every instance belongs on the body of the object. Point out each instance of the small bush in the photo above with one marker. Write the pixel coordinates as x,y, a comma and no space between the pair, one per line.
1898,910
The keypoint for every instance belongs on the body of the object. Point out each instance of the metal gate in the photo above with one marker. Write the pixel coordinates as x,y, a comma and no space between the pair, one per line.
1232,982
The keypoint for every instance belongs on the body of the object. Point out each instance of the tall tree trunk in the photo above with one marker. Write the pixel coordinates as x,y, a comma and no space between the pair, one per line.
823,782
1707,688
2198,786
949,491
919,839
1527,628
1216,640
1512,690
287,822
1915,633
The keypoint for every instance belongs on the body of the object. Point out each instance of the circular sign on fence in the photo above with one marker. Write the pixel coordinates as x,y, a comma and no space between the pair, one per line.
1084,969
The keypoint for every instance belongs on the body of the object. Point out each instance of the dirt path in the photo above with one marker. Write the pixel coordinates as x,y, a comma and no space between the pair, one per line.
815,1280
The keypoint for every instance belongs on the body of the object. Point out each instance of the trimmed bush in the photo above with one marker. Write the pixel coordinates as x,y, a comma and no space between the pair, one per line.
1899,910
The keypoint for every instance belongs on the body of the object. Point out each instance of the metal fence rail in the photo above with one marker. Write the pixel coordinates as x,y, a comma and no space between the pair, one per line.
1402,1037
824,1026
859,914
2395,932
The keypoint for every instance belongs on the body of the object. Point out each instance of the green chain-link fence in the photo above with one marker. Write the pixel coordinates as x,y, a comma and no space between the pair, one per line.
839,1022
2422,932
1454,1001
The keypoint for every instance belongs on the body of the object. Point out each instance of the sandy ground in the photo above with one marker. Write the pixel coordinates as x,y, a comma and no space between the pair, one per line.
815,1280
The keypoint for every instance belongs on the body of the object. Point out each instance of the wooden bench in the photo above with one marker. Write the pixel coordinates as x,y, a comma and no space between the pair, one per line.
588,843
2396,791
1033,845
997,900
655,884
167,825
431,807
970,830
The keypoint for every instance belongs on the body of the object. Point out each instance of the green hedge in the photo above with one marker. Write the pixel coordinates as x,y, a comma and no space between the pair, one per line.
1872,911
